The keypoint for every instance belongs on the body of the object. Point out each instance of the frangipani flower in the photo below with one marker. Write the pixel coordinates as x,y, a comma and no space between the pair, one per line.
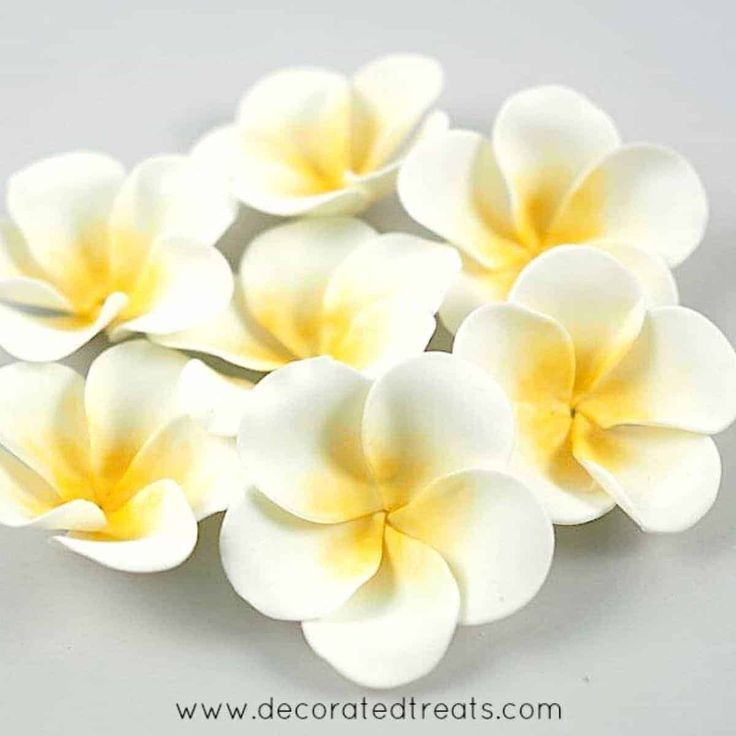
329,286
554,173
114,461
90,249
311,141
614,402
379,517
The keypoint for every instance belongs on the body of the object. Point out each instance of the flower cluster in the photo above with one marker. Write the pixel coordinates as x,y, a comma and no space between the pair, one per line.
377,493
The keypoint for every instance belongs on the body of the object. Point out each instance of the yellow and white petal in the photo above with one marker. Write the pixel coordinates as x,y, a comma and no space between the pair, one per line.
492,532
398,625
183,284
132,391
641,195
42,336
43,424
286,270
218,151
680,372
214,400
390,95
452,185
293,569
430,416
62,205
154,531
300,441
545,138
664,479
596,299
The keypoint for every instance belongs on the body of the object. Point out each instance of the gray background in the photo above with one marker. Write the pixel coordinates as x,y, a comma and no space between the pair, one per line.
632,633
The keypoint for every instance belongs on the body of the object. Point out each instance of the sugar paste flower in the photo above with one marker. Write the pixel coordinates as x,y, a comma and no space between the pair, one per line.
329,286
88,249
614,401
114,461
379,516
311,141
554,173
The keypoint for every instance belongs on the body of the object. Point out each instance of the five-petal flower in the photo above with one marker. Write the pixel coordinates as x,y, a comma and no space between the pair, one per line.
379,516
114,461
311,141
555,173
328,286
614,400
89,249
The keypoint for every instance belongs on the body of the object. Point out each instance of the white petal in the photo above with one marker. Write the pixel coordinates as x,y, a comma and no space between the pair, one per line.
214,400
218,150
293,569
397,627
154,531
44,336
131,392
641,195
390,95
300,440
493,533
680,372
430,416
665,479
452,185
286,270
545,137
595,299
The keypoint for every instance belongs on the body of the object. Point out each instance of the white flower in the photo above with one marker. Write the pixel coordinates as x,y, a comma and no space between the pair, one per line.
554,173
614,402
311,141
89,249
378,516
114,461
329,286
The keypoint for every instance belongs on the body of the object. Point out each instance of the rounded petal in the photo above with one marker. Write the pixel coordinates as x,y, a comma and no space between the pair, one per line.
544,138
492,532
45,336
596,299
430,416
218,151
214,400
641,195
184,284
293,569
397,627
300,441
390,95
79,515
680,372
154,531
285,272
131,392
452,185
665,479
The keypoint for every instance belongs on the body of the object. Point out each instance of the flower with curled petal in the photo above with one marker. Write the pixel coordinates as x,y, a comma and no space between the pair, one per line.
89,249
311,141
380,516
114,461
554,173
328,286
614,400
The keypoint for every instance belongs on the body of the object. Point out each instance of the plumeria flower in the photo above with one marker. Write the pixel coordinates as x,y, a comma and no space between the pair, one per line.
554,173
379,514
115,462
89,249
311,141
614,401
329,286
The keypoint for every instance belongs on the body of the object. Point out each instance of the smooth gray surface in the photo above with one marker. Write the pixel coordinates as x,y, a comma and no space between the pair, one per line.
632,634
